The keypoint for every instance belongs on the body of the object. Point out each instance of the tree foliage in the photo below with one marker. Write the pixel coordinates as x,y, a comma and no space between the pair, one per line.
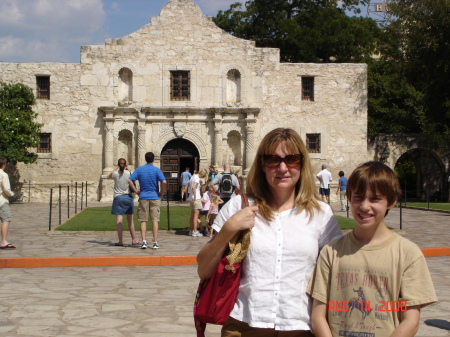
18,128
303,30
417,49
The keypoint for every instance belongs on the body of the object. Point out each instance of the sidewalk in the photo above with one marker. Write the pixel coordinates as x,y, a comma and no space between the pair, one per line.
146,300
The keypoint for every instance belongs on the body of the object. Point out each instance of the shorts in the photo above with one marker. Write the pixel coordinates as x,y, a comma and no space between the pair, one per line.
5,213
324,191
123,204
234,328
197,204
204,212
149,205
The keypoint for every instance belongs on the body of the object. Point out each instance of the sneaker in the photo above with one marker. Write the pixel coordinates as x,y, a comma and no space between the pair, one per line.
190,233
144,245
196,234
155,245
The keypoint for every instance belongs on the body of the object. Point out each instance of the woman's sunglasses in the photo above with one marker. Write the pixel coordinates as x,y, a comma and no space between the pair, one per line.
273,161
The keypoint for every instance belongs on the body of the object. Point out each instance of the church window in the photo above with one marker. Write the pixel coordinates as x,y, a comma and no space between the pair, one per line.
43,87
313,142
307,88
45,143
180,86
125,85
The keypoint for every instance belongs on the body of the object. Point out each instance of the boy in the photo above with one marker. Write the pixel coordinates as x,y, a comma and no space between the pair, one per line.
371,282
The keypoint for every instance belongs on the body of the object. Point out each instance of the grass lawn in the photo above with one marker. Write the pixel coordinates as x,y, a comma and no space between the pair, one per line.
101,219
435,205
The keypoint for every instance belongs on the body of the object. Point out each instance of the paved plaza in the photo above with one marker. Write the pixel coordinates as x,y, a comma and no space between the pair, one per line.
147,300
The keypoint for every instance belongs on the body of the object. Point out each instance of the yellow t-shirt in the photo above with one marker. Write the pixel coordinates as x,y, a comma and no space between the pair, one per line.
366,287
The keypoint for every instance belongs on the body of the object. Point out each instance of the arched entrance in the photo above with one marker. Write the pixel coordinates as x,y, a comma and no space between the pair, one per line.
176,155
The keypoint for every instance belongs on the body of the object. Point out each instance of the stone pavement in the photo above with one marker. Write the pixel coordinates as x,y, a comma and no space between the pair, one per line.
147,300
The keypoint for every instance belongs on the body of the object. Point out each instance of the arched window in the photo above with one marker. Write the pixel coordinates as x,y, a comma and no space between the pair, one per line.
125,85
233,86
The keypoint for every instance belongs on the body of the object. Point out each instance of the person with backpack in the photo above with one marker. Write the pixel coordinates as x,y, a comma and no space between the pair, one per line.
227,182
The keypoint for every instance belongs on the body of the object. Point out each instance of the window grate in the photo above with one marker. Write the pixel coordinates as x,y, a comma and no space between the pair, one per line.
43,87
307,88
180,84
45,143
313,142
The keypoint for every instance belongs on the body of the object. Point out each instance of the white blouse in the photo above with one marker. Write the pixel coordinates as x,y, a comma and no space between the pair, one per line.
278,266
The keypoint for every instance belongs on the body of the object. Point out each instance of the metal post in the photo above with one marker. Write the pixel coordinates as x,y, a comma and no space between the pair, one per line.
76,191
82,191
85,205
348,208
401,208
168,213
59,202
405,192
50,211
68,201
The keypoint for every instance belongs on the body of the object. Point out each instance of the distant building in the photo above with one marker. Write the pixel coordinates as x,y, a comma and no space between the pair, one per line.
191,93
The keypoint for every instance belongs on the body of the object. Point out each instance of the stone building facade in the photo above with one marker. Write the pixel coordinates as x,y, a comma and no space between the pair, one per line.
191,93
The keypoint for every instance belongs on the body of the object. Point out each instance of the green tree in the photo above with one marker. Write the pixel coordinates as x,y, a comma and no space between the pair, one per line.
18,128
303,30
418,44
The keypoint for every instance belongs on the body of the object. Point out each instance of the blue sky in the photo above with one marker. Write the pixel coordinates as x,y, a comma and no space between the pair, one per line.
54,30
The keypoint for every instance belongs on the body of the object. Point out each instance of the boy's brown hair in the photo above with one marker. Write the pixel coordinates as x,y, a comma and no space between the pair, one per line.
378,177
2,161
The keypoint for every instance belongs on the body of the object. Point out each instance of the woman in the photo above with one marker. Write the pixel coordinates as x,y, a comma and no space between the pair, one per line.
289,227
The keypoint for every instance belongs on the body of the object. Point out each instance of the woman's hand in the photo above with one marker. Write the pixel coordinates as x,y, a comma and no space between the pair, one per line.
244,219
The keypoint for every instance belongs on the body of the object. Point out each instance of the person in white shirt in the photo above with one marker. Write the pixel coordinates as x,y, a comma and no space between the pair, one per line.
5,211
289,227
324,177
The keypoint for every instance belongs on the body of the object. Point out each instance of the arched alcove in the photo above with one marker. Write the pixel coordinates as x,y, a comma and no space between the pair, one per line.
125,146
125,85
233,86
233,154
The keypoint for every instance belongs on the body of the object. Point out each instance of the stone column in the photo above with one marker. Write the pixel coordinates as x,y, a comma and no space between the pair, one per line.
249,146
109,147
141,144
218,141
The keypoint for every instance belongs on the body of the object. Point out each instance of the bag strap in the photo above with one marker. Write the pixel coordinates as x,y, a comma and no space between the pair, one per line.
240,243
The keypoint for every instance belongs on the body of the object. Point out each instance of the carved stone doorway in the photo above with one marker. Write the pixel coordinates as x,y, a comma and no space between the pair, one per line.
176,155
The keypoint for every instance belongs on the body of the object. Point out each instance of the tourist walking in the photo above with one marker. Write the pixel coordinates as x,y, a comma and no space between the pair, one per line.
288,226
342,189
195,203
324,177
123,202
5,211
152,186
185,177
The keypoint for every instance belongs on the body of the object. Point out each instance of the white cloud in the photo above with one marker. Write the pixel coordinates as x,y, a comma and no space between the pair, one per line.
48,28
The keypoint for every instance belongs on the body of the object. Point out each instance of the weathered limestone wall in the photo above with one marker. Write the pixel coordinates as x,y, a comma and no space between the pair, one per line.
237,94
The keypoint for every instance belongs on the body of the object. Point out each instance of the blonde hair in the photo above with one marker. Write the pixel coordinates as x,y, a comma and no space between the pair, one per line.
214,198
202,172
305,190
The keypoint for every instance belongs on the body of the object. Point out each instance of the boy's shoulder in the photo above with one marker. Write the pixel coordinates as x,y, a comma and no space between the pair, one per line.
396,243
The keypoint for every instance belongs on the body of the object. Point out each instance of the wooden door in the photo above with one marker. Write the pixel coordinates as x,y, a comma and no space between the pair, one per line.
175,157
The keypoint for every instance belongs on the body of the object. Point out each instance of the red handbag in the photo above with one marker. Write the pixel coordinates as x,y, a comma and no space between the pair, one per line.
216,296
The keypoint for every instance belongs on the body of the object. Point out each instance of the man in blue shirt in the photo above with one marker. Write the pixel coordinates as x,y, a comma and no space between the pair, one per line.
149,178
342,189
185,178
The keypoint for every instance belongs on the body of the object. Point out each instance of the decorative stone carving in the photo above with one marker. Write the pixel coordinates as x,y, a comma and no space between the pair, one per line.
179,128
